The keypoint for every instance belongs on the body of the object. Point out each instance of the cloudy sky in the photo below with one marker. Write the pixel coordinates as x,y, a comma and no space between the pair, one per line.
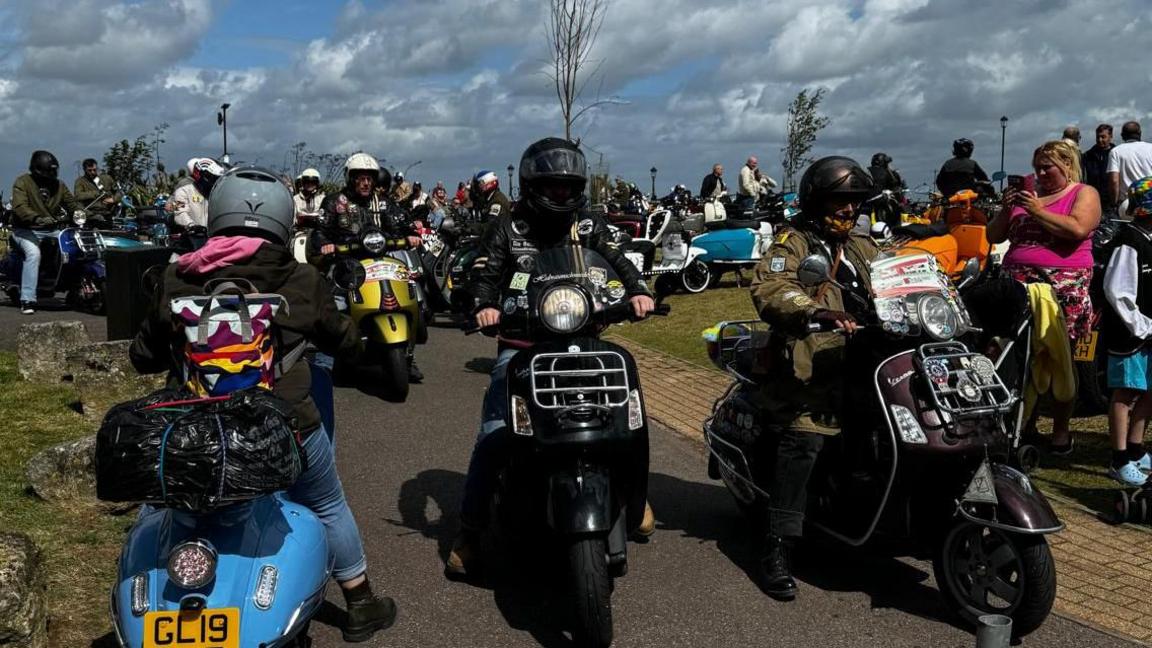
458,84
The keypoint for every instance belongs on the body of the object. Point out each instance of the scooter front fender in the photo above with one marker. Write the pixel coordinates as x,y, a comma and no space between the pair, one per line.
580,501
389,328
1020,507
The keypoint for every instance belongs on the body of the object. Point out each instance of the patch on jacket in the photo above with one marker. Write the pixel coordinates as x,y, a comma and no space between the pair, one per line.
494,210
776,264
584,227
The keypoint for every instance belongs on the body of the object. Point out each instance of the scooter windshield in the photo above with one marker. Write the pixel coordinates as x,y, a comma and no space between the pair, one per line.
912,295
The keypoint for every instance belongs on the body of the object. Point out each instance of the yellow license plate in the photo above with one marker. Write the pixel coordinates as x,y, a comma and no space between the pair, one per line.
193,629
1085,349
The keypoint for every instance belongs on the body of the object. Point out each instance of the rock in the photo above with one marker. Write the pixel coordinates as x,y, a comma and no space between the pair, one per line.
103,376
66,471
43,349
23,615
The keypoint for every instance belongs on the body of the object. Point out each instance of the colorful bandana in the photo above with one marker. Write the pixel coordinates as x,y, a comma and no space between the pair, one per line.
1140,198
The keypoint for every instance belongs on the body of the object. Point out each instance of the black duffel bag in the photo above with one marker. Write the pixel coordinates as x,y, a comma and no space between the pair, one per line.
173,449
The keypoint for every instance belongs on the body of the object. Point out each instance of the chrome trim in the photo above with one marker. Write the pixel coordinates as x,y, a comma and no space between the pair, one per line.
856,542
1000,526
995,397
303,611
544,369
733,470
115,611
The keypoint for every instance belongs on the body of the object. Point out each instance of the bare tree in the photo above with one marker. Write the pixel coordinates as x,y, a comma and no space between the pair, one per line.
572,32
804,122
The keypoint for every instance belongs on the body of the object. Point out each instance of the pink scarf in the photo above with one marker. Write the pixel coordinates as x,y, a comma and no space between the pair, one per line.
218,252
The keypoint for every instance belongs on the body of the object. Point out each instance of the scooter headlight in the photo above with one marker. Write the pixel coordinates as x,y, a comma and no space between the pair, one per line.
374,242
938,317
564,309
79,218
192,565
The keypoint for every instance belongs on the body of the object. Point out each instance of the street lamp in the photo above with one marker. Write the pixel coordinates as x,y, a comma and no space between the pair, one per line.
407,168
653,172
510,169
222,120
1003,130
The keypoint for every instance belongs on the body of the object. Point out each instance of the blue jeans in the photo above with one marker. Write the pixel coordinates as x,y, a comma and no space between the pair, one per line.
29,244
491,445
745,203
319,489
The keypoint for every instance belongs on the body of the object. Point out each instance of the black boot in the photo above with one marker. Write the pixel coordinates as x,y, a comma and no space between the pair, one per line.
414,373
367,613
776,569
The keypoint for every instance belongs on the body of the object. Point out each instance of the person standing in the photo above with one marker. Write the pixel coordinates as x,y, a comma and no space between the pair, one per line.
1128,163
1095,165
308,198
190,201
96,193
1072,136
713,185
749,187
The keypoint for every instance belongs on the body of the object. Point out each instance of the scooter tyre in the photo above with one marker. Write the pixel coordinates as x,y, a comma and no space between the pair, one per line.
696,276
591,591
1036,573
393,361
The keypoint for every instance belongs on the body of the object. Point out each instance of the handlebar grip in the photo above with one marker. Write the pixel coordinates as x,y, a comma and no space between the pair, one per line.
661,309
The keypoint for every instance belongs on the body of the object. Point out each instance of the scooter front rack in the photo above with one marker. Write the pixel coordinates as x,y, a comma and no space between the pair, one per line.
962,383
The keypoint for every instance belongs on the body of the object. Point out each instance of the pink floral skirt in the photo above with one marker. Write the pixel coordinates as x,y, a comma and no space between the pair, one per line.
1071,288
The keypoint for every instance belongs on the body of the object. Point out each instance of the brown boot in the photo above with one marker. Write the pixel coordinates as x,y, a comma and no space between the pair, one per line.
463,560
648,524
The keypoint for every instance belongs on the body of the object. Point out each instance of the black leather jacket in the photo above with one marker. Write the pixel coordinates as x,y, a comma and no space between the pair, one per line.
344,216
509,242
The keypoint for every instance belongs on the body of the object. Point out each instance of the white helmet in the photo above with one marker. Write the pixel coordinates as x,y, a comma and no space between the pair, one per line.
191,164
360,162
309,173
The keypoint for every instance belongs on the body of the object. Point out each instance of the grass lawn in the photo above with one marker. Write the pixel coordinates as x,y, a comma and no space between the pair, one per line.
1081,477
79,544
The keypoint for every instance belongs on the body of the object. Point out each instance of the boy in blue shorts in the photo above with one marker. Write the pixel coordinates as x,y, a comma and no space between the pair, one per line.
1128,328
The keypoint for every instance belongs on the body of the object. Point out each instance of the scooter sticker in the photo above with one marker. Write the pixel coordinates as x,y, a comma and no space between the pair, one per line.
777,264
597,276
526,262
522,301
615,289
520,281
983,368
937,371
509,305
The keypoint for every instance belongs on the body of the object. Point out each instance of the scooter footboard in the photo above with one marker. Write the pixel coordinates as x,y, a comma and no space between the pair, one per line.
580,500
1020,507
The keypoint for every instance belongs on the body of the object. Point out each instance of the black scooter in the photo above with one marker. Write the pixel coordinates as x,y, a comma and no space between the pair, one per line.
578,467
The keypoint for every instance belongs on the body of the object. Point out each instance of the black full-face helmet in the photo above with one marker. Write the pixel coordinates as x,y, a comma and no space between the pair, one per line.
546,164
44,166
881,160
834,179
963,147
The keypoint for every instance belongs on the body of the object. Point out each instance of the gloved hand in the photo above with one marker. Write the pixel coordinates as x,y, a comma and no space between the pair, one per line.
831,320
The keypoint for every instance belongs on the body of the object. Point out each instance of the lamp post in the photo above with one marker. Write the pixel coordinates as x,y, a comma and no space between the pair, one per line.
1003,130
510,169
409,167
222,120
653,172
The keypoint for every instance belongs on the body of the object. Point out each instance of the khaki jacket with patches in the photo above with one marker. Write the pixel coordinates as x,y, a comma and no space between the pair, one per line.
805,386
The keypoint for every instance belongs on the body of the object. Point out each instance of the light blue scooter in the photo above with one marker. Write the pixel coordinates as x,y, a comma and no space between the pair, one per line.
248,575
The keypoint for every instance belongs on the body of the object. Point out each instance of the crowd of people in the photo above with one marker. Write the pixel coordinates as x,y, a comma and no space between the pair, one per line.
1048,224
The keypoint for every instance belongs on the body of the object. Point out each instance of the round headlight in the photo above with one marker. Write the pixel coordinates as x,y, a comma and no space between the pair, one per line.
938,317
79,217
192,565
374,242
564,309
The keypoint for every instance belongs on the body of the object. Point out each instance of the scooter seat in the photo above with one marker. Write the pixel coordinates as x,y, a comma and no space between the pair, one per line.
920,232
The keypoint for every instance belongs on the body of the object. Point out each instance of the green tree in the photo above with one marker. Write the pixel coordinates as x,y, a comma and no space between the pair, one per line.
804,123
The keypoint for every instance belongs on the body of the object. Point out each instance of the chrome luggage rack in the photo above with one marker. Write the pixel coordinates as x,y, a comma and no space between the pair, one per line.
562,380
962,383
90,242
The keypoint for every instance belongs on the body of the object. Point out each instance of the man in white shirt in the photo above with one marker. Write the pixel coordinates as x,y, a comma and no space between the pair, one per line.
1128,163
190,202
308,198
749,186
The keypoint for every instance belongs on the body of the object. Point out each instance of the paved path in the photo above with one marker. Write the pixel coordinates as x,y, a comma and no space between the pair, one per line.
1104,571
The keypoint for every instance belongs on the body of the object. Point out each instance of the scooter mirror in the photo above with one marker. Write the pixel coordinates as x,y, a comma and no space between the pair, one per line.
348,274
969,273
813,270
998,176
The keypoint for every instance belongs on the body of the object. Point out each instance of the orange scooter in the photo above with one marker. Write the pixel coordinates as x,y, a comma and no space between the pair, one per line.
955,235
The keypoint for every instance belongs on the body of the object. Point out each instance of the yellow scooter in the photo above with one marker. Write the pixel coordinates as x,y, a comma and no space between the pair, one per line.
381,298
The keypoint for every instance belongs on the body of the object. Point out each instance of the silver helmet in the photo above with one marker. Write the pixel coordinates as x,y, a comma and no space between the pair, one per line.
254,199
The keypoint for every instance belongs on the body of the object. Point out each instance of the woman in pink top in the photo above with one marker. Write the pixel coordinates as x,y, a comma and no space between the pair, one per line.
1050,232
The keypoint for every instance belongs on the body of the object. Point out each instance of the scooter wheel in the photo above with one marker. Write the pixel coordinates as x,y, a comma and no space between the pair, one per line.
1139,509
1121,507
1027,458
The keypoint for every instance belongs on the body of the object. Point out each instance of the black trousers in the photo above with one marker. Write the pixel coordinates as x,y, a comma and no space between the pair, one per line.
796,453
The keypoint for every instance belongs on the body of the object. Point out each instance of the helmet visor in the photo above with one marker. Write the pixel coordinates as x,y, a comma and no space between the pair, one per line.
553,163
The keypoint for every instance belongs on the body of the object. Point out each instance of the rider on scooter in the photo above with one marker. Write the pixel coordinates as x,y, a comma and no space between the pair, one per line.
488,202
552,181
39,202
804,401
248,243
345,214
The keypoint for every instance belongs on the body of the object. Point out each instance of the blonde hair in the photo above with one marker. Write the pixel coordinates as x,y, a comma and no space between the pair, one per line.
1063,155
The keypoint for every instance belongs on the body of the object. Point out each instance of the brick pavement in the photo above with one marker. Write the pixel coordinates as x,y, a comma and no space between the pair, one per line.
1104,572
